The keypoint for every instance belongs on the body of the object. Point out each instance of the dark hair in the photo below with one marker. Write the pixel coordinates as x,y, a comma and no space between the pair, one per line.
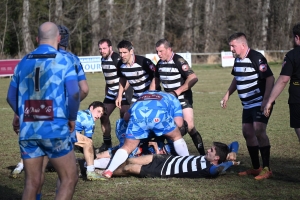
97,104
221,150
296,30
64,33
236,36
164,42
105,40
125,44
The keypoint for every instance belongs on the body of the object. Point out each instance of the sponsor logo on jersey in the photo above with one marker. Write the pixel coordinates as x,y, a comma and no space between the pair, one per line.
152,67
38,110
156,120
263,67
185,67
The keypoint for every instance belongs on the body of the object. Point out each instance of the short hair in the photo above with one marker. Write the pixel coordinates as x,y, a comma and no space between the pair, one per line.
222,151
97,104
65,34
105,40
296,30
125,44
236,36
164,42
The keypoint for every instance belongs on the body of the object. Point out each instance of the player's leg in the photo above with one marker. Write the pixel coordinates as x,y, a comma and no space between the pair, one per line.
168,128
88,152
105,124
251,142
141,160
45,162
32,157
260,127
297,131
61,155
295,118
188,115
124,108
121,155
178,141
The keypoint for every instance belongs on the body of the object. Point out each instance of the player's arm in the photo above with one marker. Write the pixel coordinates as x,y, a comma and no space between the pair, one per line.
269,86
12,98
216,169
83,85
230,90
276,91
84,89
73,102
122,86
155,146
233,149
191,80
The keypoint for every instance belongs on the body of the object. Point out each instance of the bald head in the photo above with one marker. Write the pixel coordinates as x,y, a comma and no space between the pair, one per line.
48,34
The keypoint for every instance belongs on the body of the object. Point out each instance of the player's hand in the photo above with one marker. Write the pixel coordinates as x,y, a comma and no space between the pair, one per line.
71,125
118,102
236,162
231,156
16,124
267,109
223,103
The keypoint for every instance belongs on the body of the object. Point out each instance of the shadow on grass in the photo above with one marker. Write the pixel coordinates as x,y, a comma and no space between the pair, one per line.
8,193
284,169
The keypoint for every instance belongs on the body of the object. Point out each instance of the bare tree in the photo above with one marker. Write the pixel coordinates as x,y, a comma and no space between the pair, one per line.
138,22
189,25
95,23
28,44
109,17
58,12
265,23
5,27
161,19
208,22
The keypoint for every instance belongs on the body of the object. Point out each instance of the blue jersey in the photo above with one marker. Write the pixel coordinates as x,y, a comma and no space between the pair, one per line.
154,111
152,101
85,122
77,63
41,81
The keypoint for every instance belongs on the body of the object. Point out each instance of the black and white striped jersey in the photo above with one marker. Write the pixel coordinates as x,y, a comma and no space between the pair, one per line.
139,75
186,166
251,73
173,74
109,69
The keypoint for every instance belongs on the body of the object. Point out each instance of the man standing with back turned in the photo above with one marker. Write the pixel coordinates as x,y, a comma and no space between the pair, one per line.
253,79
290,71
43,84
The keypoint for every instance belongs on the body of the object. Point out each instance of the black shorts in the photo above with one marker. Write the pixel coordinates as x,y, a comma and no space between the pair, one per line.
109,101
188,103
255,115
294,115
154,168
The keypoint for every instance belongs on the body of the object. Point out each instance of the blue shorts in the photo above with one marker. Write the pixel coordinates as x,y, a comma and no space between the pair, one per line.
53,147
161,124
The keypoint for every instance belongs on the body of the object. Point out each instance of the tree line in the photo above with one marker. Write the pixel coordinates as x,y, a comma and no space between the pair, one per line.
190,25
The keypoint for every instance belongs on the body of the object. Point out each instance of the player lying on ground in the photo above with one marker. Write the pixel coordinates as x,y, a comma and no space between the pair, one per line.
150,145
164,166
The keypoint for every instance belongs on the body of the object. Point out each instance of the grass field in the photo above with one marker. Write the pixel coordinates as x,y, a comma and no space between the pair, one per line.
214,123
